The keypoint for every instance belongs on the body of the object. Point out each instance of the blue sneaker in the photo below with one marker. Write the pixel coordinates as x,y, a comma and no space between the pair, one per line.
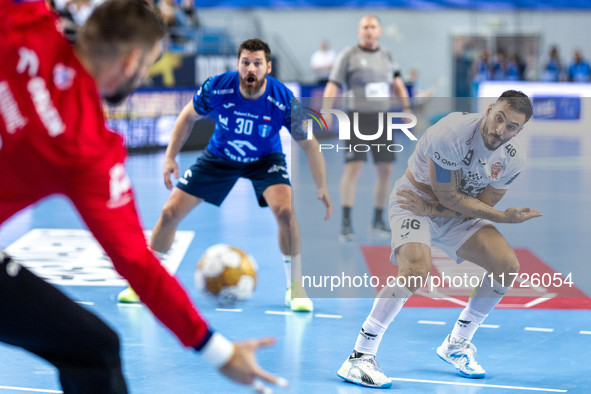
460,353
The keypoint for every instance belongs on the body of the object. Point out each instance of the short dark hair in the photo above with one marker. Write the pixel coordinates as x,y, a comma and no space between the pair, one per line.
117,27
255,45
519,102
371,16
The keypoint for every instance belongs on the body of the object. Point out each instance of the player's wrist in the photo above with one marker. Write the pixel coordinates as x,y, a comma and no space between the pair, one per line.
216,349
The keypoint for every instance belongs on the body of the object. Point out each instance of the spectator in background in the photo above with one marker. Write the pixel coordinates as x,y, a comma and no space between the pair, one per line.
553,69
322,61
172,14
413,86
499,66
189,9
579,70
513,68
481,69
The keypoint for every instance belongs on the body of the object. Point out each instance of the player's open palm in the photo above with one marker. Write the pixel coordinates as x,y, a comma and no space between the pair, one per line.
243,367
170,167
520,215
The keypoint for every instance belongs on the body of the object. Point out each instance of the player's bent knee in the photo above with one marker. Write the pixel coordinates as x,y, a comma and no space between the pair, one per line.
170,214
106,346
512,265
283,214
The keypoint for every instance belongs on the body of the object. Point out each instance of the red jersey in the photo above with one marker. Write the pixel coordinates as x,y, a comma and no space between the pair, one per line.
53,139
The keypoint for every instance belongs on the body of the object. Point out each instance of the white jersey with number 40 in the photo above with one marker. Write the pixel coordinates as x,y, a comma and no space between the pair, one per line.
455,143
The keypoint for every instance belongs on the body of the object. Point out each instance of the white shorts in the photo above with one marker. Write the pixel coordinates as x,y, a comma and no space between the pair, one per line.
447,233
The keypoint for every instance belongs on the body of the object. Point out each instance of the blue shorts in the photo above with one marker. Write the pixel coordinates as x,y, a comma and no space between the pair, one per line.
211,177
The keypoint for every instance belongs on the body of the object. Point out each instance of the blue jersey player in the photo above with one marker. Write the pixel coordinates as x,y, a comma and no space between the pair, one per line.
250,108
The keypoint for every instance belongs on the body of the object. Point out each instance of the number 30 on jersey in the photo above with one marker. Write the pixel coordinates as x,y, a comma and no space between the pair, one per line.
244,126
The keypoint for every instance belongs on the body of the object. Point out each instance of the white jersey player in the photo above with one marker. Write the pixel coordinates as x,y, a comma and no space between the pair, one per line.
461,167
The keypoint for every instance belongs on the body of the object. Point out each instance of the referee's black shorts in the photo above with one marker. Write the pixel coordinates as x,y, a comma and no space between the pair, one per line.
368,125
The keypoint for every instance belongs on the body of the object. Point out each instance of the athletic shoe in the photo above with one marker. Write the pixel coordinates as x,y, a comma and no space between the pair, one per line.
364,370
128,296
347,233
380,229
297,300
460,353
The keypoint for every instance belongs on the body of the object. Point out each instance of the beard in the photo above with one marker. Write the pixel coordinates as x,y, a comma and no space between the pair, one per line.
486,135
252,89
123,90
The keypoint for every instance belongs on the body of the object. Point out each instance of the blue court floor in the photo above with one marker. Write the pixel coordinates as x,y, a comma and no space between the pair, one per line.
528,350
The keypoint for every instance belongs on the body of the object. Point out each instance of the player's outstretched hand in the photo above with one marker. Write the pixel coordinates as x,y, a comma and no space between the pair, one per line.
170,167
414,203
520,215
243,367
325,198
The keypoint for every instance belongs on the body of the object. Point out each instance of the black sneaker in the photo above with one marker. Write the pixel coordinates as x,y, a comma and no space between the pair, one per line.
380,229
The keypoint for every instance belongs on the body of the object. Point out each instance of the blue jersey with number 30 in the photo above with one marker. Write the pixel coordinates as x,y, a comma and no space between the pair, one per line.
246,130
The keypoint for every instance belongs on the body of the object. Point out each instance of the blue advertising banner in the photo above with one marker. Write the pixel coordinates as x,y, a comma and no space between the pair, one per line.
557,108
415,4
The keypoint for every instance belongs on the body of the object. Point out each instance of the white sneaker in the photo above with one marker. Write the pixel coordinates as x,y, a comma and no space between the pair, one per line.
364,370
460,353
380,229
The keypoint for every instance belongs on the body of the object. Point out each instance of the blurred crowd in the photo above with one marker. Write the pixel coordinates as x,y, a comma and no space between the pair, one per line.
174,13
502,67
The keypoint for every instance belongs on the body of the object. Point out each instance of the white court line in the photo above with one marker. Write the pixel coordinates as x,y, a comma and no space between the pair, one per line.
228,310
277,313
329,316
438,296
495,386
540,300
489,326
538,329
130,305
30,390
438,323
84,302
585,332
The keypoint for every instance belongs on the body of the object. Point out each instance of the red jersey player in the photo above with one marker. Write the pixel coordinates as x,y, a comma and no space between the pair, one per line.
53,139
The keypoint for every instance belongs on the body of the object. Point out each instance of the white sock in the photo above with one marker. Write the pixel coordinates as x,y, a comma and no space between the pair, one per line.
467,323
293,265
385,308
482,301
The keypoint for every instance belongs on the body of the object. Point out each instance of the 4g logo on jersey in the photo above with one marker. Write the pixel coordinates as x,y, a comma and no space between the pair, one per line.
411,224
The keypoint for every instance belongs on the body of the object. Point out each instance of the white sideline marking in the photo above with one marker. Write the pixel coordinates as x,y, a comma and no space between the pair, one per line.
228,310
329,316
489,325
277,313
130,305
495,386
84,302
538,329
540,300
30,390
585,332
438,323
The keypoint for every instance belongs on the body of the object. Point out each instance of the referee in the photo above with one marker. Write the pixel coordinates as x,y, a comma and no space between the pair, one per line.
366,72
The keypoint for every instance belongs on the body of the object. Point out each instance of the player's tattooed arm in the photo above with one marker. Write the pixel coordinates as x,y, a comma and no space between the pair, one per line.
491,196
446,186
413,202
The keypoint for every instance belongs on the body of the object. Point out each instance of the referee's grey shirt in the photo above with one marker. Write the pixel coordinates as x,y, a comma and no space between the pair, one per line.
366,76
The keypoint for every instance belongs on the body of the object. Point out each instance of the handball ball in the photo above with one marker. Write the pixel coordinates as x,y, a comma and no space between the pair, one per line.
226,274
